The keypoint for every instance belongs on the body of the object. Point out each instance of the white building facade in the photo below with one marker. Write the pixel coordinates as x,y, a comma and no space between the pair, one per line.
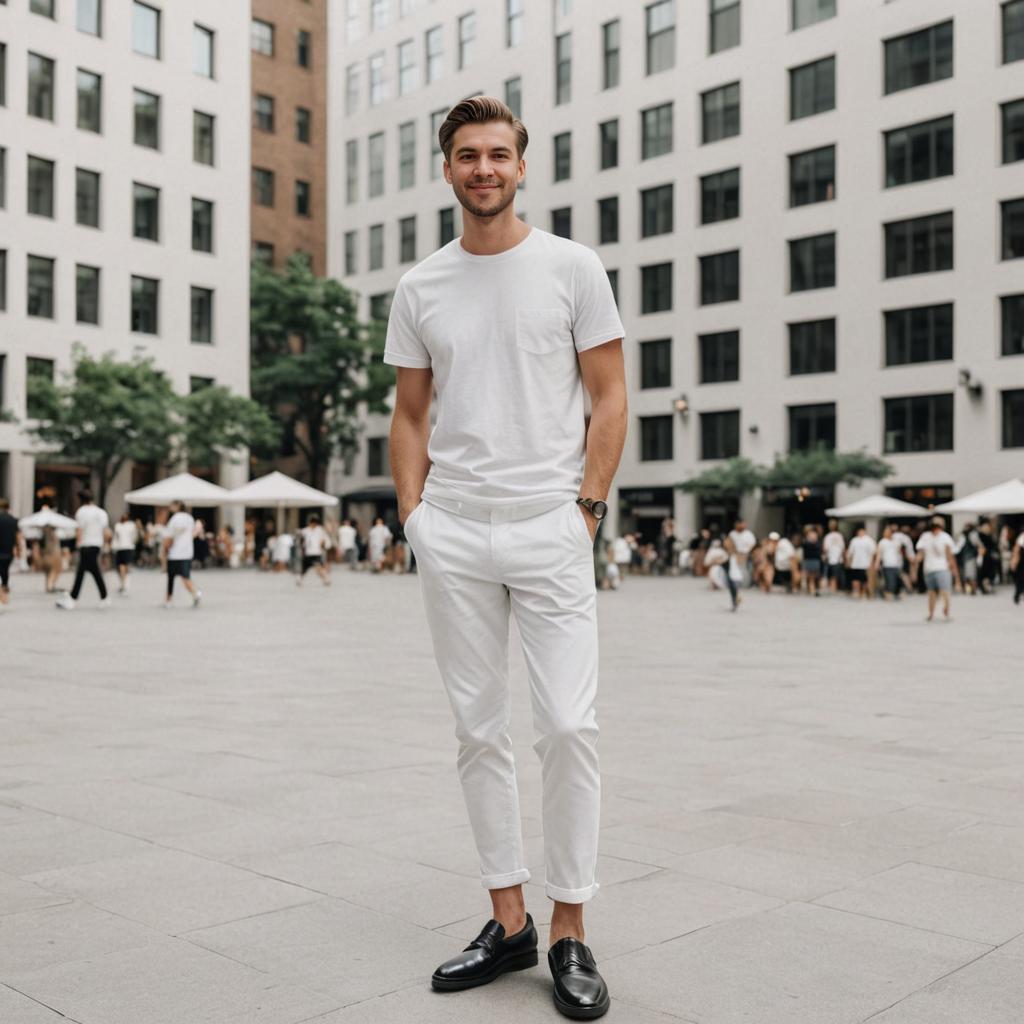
812,212
124,205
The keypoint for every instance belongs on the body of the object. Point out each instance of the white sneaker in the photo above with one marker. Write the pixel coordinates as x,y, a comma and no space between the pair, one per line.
105,603
67,602
197,599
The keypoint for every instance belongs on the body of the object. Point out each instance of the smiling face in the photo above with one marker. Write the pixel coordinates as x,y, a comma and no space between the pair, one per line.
485,169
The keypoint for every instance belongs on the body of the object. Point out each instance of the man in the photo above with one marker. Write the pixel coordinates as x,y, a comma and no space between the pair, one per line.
126,536
179,547
509,324
92,533
347,543
834,546
739,544
860,556
935,552
10,549
785,562
314,548
379,540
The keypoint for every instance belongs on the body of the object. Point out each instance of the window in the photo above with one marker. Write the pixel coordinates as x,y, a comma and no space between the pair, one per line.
919,57
720,434
513,22
407,239
145,305
145,29
40,287
923,334
919,423
264,252
812,88
613,281
378,84
919,152
36,370
655,438
199,383
406,68
445,225
812,262
88,17
407,154
43,7
378,14
563,68
376,237
202,137
263,112
1012,310
656,363
724,28
719,357
40,86
720,113
302,124
563,156
610,46
377,457
656,288
561,222
1013,229
88,101
351,251
202,225
812,427
514,96
1013,419
145,212
812,347
263,186
920,245
380,306
720,278
3,74
351,171
656,131
608,220
812,176
661,36
436,154
40,186
303,201
609,144
720,196
3,303
303,49
656,211
147,119
3,178
202,51
351,88
1013,131
87,198
201,315
376,161
261,37
1013,31
87,294
467,39
807,12
435,53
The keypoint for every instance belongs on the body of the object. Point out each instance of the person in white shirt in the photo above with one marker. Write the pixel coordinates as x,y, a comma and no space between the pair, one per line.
834,548
889,559
379,539
126,536
622,554
281,551
348,542
739,544
314,548
908,557
92,533
179,546
935,554
784,563
860,556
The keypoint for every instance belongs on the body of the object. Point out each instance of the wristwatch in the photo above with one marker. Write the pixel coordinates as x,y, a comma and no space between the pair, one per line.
597,508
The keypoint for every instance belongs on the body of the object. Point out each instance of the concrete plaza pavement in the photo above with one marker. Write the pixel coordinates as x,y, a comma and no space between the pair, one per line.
249,814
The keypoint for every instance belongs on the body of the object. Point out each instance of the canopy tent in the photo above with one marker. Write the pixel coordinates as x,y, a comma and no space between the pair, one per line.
184,487
877,506
275,490
32,526
1003,499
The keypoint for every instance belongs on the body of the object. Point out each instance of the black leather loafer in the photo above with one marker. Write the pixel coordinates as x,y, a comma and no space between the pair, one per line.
487,957
580,992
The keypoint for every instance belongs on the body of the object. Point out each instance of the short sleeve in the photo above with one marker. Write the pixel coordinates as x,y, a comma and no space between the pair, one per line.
403,346
595,315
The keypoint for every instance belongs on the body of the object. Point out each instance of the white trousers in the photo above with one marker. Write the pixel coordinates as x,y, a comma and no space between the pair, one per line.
472,575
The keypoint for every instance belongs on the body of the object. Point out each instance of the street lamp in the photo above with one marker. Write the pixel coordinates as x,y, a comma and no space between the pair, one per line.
682,406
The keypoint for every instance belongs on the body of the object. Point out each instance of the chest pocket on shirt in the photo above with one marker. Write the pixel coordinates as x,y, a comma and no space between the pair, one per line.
542,331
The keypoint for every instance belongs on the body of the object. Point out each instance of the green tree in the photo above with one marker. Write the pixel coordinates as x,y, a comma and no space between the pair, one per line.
821,467
314,364
218,424
734,477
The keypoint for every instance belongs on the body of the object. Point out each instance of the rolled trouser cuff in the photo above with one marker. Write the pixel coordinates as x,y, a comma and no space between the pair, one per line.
504,881
554,892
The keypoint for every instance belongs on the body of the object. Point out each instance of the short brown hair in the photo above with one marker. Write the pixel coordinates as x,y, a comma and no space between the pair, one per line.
480,110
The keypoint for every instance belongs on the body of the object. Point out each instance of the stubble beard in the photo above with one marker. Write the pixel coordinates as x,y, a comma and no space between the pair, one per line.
465,198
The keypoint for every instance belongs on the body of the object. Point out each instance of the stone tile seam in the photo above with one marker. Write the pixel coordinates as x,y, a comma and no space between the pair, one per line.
38,1002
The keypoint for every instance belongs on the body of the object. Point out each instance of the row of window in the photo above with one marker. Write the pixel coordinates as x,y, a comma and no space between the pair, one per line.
264,118
912,423
145,298
262,39
263,192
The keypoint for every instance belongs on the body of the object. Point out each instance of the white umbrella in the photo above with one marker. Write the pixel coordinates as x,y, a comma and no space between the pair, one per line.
32,526
877,506
184,487
275,490
1003,499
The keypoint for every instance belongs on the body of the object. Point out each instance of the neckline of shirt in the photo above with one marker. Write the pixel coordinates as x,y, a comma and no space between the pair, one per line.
492,257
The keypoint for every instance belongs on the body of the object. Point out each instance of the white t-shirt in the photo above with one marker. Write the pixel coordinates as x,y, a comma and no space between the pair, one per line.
281,547
314,540
125,536
862,552
935,547
904,542
834,545
501,334
621,550
889,553
784,555
92,521
181,528
743,542
346,537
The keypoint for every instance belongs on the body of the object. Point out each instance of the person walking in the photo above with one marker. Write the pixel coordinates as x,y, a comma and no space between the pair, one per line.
126,535
859,558
347,537
379,540
811,560
935,552
10,549
889,559
785,569
739,544
314,550
179,547
501,501
834,549
92,533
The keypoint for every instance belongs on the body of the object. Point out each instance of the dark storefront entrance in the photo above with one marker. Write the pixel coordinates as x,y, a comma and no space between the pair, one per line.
641,511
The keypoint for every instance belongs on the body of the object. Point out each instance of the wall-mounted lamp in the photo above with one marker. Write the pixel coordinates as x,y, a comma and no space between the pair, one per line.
754,428
682,406
972,385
